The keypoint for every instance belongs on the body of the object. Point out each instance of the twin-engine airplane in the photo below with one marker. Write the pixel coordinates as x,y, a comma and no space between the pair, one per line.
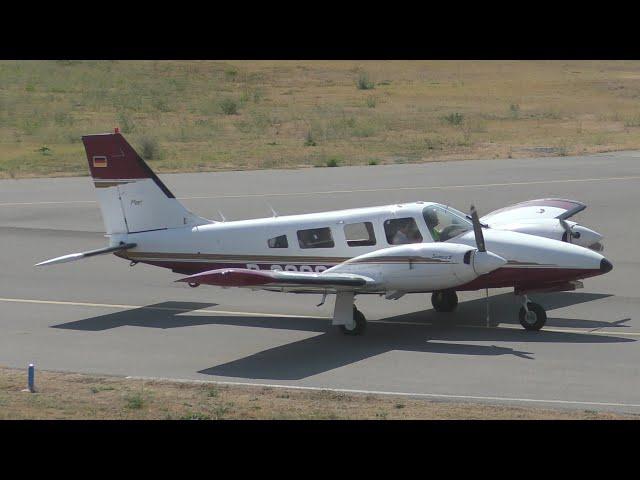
392,250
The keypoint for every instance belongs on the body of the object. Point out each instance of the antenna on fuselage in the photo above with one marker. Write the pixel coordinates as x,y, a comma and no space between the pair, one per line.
275,214
222,216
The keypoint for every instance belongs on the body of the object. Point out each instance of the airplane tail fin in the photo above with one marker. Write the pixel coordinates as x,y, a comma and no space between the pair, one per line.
132,198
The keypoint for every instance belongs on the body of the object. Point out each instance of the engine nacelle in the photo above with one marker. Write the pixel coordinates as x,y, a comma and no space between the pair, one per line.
422,266
552,228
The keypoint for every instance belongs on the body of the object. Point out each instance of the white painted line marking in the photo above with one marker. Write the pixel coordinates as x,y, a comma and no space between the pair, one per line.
362,190
16,204
284,315
403,394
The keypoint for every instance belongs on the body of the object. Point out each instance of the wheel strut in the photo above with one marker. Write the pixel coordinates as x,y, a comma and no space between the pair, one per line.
532,315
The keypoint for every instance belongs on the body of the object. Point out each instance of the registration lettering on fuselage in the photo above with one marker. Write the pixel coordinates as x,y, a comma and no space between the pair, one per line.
289,268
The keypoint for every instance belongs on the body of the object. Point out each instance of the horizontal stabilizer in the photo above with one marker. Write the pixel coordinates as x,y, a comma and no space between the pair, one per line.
91,253
242,277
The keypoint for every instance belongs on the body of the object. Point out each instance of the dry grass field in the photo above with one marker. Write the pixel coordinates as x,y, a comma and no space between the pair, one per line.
75,396
222,115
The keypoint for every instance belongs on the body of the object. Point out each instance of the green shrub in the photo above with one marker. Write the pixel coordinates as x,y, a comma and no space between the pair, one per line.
454,118
220,411
332,162
363,82
230,74
161,105
309,141
149,148
371,101
195,416
135,401
433,143
126,124
514,110
229,106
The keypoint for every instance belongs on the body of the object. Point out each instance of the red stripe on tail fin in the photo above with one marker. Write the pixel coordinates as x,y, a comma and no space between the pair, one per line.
112,158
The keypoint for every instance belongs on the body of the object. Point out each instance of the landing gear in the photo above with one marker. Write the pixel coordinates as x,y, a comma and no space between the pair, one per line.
444,300
345,314
194,284
532,315
358,326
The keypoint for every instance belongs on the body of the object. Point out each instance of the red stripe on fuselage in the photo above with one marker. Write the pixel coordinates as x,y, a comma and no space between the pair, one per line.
502,277
528,277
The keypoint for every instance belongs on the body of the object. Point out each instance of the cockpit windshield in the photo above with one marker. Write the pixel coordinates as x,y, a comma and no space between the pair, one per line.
445,222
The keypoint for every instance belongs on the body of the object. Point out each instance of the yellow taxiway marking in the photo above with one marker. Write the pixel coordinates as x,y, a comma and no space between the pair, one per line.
283,315
151,307
359,190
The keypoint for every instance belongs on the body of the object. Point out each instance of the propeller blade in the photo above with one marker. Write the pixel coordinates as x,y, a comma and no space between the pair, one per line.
568,234
477,230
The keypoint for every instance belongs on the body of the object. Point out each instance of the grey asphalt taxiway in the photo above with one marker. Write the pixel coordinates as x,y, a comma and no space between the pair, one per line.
102,316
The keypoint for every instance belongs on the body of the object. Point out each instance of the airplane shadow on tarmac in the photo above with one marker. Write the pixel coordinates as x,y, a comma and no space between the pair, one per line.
432,332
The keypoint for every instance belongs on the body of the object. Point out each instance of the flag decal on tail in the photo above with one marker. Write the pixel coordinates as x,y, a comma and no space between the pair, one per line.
100,162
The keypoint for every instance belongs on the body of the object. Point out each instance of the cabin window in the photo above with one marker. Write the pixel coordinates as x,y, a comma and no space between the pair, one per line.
278,242
402,230
359,234
315,238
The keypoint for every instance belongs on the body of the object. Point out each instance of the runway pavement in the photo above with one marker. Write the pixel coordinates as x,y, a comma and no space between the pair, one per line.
102,316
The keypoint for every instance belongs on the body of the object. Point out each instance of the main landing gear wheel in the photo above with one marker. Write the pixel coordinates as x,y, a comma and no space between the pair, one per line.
360,321
444,300
534,317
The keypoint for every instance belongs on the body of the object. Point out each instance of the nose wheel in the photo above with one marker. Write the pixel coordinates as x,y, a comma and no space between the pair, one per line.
444,300
532,315
359,324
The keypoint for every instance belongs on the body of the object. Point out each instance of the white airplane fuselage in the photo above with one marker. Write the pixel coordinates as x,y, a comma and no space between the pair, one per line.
531,260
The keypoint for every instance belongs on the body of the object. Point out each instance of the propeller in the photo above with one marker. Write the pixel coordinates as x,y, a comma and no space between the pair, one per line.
477,230
483,261
562,218
568,232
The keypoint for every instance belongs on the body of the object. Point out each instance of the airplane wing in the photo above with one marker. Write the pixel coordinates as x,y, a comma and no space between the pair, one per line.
280,280
559,208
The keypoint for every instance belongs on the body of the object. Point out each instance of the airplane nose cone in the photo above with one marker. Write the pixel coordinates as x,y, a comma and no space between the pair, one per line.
605,266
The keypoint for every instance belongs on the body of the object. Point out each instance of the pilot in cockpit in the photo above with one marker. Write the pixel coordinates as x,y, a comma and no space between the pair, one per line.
431,218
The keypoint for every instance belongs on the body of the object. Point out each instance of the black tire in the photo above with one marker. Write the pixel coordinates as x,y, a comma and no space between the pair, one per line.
361,324
444,300
536,319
